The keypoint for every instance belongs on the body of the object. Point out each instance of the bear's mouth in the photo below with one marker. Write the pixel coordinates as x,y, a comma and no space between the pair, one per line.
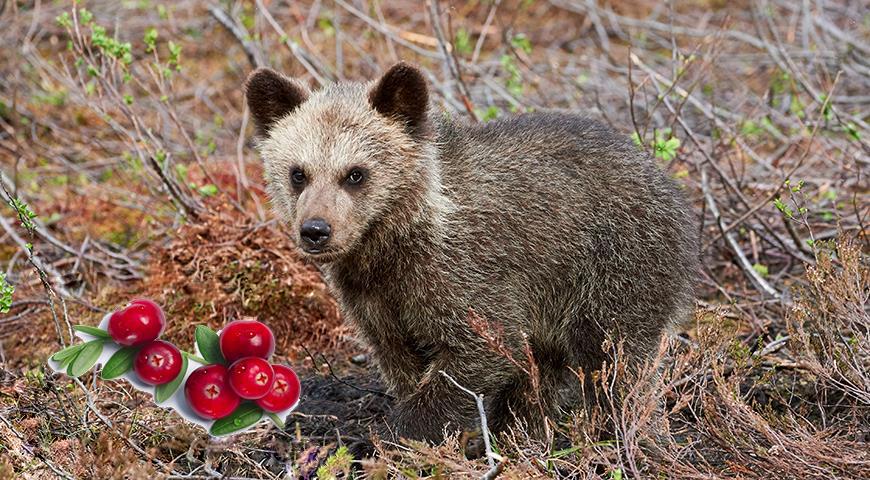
320,255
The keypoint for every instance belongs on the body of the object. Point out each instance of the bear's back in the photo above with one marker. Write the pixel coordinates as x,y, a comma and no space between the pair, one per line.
556,202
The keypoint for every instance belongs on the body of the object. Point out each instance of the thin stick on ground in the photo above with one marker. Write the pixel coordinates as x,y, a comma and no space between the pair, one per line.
450,59
484,427
742,259
255,56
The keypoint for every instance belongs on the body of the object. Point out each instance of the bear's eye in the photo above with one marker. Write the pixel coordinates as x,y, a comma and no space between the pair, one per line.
355,177
297,177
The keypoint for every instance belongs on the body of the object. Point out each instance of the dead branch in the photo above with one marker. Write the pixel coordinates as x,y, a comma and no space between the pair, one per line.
450,60
742,260
481,410
253,52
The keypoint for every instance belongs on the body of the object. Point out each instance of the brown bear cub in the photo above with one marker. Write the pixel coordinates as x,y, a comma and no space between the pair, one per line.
552,227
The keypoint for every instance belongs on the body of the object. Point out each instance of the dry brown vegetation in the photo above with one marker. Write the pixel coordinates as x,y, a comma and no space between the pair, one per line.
136,160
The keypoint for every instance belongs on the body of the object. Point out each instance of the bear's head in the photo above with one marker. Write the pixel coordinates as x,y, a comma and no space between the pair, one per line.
344,159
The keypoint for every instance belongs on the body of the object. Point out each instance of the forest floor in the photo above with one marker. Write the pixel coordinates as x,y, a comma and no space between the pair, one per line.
128,170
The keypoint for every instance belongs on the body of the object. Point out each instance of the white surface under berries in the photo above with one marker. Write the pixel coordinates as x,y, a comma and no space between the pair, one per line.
177,401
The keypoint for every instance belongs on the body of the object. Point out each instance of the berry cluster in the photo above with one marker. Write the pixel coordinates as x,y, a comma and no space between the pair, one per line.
215,391
139,325
235,386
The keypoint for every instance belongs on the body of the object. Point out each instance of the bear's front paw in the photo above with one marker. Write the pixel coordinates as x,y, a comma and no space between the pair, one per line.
412,424
416,426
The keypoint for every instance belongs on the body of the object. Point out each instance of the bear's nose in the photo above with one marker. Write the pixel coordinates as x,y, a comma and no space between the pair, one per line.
314,232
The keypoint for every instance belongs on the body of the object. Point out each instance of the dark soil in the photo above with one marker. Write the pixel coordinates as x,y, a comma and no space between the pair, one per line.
345,410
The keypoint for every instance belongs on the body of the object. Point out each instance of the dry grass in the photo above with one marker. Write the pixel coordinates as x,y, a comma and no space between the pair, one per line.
225,267
140,172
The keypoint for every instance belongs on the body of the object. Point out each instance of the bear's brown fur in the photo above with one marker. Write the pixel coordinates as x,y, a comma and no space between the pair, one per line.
550,226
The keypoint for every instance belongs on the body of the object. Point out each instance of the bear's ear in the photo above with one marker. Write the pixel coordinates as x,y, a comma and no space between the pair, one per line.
271,96
402,94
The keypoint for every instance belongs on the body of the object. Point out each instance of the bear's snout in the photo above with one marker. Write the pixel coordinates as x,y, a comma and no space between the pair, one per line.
315,234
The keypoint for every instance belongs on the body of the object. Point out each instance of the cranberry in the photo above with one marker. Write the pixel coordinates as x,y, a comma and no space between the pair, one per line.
251,377
140,322
285,390
157,362
246,338
209,394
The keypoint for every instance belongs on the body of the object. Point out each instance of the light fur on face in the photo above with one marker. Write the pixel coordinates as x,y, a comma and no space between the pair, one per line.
333,131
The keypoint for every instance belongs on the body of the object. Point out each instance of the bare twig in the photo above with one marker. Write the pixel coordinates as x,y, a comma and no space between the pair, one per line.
450,60
313,67
481,410
252,51
742,260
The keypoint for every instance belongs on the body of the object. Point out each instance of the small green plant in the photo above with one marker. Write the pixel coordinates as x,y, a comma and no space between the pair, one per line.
121,51
796,107
852,130
174,55
521,42
325,25
55,98
739,352
181,170
150,40
782,207
25,214
85,16
635,137
770,127
336,466
779,85
514,82
664,146
208,190
64,20
826,107
750,129
6,291
462,42
491,113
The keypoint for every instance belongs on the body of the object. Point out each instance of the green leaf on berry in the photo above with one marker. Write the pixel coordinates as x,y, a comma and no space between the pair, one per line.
67,353
86,358
245,415
119,363
209,345
163,392
65,363
276,420
93,331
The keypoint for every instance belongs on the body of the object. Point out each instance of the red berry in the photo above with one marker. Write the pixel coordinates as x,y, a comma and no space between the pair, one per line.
285,390
251,377
209,394
140,322
157,362
246,338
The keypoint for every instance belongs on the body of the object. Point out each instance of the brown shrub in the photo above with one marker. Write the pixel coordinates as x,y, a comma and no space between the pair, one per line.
225,266
830,323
